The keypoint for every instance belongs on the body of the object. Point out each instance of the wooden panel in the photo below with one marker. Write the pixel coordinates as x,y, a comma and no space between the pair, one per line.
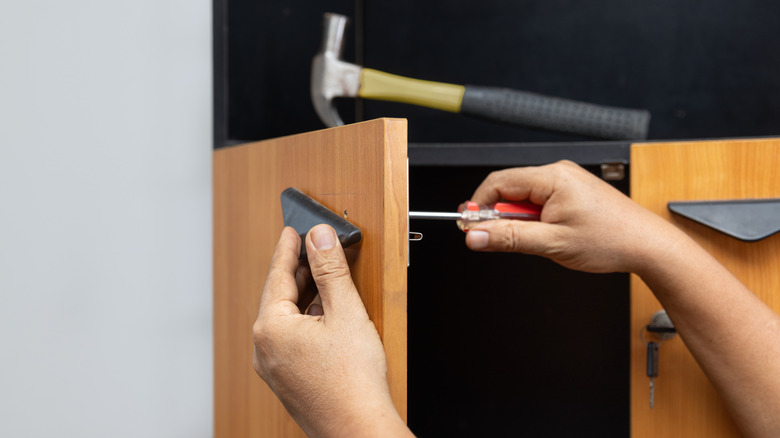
686,404
359,170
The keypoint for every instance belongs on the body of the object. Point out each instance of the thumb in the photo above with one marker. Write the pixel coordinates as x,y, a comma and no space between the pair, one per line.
526,237
331,273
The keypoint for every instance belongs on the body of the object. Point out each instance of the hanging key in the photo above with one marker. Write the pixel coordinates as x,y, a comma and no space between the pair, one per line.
661,328
652,368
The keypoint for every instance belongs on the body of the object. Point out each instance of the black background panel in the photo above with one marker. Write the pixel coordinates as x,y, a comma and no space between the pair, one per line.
703,69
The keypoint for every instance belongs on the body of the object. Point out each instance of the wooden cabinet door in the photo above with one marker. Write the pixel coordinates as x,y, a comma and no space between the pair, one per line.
358,171
686,404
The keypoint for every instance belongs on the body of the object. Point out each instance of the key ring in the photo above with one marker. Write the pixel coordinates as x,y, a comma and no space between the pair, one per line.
661,326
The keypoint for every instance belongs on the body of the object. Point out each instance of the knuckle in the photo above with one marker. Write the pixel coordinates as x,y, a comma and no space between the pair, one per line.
278,278
259,333
572,169
276,273
564,167
513,238
496,178
263,359
507,238
566,163
563,170
492,176
331,269
490,186
274,276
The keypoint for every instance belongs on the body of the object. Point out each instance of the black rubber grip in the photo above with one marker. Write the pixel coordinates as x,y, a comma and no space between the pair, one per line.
555,114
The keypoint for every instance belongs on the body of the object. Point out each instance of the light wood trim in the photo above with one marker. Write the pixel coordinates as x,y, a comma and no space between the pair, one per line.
358,168
396,239
686,403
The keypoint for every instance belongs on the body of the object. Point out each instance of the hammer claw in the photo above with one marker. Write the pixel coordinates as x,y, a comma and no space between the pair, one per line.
331,77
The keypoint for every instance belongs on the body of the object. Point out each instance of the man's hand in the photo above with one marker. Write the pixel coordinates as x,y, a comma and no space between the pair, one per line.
328,366
586,224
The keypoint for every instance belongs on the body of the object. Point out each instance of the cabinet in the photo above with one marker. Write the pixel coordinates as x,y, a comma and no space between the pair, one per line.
494,340
357,170
686,403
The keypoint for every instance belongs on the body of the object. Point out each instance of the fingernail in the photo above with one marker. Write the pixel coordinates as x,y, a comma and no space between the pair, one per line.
323,238
477,239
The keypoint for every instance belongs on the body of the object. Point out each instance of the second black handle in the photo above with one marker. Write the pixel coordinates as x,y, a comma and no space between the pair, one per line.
555,113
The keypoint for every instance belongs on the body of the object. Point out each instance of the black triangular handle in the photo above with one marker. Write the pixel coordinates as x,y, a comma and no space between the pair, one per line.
744,219
302,213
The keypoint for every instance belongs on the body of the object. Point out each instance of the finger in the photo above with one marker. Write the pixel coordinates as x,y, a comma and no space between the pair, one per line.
535,238
490,190
527,183
315,308
306,287
331,272
281,291
303,277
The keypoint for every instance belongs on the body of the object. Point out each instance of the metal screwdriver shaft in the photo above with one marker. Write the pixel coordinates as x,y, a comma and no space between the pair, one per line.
433,215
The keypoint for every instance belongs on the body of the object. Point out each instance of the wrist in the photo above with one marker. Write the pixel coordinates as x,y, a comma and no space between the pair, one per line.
670,249
650,244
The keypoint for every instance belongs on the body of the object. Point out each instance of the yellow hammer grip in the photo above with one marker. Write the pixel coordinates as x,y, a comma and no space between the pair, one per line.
379,85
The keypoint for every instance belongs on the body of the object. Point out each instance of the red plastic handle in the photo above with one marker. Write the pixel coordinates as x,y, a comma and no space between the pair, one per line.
518,207
524,207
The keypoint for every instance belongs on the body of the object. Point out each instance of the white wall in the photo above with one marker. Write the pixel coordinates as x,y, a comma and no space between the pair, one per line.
105,218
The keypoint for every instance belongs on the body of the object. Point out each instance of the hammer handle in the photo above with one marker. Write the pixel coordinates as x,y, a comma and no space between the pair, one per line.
375,84
554,113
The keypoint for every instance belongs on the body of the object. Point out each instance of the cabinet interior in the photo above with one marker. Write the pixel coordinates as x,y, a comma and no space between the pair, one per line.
500,343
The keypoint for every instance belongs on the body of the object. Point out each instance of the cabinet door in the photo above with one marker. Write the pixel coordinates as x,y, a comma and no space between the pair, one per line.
358,171
686,404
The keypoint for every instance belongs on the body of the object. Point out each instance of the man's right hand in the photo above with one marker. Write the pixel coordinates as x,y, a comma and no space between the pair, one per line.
586,224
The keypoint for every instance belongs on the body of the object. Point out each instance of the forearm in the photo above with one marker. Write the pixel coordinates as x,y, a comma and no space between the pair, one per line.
730,332
374,417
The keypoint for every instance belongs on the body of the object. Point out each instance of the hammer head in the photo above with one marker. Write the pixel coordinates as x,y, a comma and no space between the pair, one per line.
331,77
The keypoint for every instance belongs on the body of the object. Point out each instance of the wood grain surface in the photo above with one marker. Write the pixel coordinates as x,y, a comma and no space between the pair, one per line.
358,171
686,404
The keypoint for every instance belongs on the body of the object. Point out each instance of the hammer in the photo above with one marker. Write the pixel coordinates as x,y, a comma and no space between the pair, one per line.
331,77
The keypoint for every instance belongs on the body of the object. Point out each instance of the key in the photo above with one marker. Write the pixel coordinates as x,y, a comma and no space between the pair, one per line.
652,368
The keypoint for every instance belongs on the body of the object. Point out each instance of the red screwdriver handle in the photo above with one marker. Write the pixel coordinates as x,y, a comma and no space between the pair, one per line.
524,207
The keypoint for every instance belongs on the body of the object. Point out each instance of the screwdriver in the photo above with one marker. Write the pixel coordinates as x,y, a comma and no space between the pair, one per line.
470,213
